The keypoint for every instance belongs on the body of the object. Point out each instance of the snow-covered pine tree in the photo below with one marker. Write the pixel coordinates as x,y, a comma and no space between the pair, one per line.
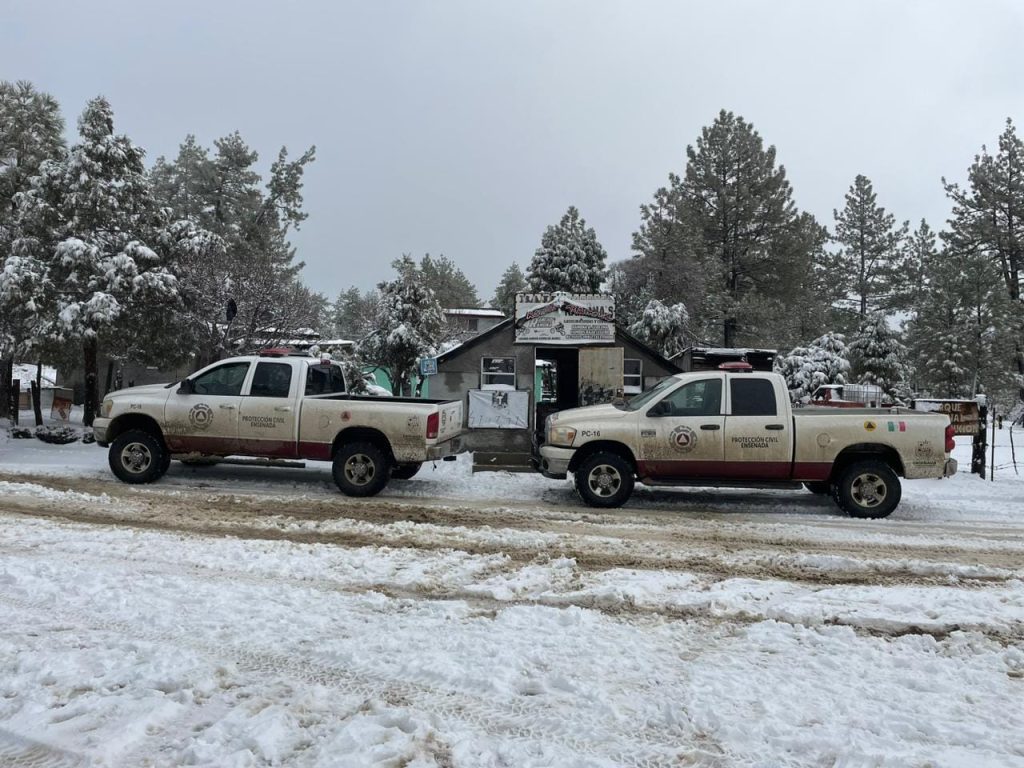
665,328
824,361
879,357
569,259
871,256
512,281
408,324
353,313
84,219
988,218
31,132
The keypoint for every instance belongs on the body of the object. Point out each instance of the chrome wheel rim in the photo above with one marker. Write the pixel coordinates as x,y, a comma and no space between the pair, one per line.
869,490
136,458
604,480
360,469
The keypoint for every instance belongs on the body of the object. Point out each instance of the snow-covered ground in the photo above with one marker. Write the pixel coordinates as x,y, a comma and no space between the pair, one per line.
244,616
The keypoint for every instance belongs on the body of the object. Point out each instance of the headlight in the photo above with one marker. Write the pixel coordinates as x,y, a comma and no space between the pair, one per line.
105,408
561,435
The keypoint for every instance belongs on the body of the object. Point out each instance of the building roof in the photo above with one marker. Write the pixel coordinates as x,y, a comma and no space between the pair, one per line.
620,335
476,312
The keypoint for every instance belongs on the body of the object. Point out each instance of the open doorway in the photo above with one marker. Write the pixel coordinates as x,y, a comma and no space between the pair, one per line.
557,384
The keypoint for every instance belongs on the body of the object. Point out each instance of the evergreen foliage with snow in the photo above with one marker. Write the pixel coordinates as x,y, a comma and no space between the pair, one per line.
408,324
569,259
871,255
451,287
879,357
662,327
824,361
353,313
512,281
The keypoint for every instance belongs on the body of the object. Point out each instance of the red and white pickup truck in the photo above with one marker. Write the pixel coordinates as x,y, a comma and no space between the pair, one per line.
734,427
280,407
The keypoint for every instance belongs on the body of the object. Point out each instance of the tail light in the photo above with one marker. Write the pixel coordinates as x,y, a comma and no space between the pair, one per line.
433,420
950,442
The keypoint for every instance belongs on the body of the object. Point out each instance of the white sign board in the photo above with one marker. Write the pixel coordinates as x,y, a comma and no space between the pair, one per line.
565,318
428,366
499,409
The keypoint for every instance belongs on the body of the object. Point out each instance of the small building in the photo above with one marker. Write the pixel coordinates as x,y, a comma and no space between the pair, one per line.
467,323
709,358
509,387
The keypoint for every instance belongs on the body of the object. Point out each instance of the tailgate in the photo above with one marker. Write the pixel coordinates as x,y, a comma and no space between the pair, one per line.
451,420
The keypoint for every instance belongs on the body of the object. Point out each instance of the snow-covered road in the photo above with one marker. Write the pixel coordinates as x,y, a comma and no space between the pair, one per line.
239,616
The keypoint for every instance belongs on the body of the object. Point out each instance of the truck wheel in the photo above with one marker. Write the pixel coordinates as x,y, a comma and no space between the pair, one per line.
405,471
604,480
137,457
868,489
818,487
361,469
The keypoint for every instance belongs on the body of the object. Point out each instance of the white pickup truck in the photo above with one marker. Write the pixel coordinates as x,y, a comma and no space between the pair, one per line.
734,427
276,406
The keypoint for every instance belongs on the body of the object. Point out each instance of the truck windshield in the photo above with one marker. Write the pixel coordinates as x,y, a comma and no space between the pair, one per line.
640,401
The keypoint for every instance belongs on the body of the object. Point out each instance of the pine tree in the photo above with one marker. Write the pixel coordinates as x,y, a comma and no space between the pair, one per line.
919,255
871,255
512,281
988,218
880,358
824,361
451,287
408,324
665,328
31,132
353,313
569,259
221,194
84,219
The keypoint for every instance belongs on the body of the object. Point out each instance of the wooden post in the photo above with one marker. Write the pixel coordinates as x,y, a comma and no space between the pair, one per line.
37,394
6,374
980,444
91,382
992,466
1013,451
15,397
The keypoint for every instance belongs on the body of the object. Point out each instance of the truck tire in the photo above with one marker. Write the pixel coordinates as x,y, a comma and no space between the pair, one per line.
361,469
604,480
137,457
868,489
405,471
818,487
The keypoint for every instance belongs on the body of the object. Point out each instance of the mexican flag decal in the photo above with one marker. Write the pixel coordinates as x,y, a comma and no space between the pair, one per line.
897,426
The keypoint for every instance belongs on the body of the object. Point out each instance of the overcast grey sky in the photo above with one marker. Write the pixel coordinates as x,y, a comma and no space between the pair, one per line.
466,127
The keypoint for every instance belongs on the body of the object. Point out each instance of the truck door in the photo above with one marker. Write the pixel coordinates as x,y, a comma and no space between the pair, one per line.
681,435
267,418
206,419
758,438
600,374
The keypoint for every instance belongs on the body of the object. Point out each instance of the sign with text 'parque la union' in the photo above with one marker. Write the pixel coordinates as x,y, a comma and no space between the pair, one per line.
565,318
963,414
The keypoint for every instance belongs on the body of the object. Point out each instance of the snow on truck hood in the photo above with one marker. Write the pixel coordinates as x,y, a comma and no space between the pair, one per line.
143,389
604,411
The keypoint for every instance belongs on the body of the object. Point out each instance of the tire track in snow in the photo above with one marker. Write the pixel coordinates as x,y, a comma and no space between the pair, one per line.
20,752
644,746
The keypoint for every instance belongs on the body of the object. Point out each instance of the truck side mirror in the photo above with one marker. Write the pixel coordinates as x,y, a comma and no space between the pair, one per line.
662,408
186,387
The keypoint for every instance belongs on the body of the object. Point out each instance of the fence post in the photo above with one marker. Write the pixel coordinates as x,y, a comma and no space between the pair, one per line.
978,448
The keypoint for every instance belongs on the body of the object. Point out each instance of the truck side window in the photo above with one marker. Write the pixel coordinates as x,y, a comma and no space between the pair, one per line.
225,380
271,380
325,380
753,397
698,398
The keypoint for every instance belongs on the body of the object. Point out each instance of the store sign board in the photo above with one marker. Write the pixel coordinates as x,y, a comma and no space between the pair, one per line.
565,318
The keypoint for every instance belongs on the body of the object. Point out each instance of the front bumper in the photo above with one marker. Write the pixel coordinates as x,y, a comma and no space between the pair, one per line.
950,468
447,448
99,429
553,462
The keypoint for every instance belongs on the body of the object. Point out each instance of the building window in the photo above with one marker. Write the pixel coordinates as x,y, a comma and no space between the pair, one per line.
632,376
497,373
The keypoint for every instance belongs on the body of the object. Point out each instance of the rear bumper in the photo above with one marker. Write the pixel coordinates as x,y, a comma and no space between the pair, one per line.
447,448
99,429
950,468
553,462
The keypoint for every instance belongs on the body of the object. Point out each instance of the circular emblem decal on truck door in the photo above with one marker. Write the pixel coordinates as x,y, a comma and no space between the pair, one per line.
683,439
200,417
